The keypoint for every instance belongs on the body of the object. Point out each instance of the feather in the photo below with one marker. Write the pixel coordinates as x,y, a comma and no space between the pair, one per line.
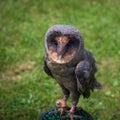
46,69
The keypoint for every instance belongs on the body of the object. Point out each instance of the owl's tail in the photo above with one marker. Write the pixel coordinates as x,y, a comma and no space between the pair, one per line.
97,85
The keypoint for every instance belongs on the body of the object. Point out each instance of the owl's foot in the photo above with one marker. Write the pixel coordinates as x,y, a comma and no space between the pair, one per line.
59,110
60,103
71,114
61,107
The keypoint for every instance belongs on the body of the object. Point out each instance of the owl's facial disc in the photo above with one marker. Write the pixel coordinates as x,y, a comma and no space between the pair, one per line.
62,49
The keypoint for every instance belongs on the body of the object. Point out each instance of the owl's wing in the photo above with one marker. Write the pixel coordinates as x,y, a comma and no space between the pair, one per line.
91,59
46,69
82,73
86,80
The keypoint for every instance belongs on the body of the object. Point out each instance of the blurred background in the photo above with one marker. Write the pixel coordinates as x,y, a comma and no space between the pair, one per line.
25,90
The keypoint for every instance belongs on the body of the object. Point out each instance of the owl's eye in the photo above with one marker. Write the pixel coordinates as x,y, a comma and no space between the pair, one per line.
54,42
72,43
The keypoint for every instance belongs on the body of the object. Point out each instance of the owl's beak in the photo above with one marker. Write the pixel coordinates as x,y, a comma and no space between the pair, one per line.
61,50
61,45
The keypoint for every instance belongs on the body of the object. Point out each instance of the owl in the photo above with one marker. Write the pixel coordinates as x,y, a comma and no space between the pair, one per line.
69,63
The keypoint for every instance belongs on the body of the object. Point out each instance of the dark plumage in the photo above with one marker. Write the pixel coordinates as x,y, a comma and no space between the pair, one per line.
67,61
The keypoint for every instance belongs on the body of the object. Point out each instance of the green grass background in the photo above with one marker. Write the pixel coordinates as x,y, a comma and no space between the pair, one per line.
25,90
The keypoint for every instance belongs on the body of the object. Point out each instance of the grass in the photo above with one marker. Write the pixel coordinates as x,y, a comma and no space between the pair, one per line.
25,90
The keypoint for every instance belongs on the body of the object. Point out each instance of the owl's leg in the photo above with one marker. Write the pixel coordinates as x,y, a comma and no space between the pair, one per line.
66,93
62,103
75,97
71,113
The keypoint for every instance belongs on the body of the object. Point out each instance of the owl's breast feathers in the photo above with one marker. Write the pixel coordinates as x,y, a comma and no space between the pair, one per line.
62,70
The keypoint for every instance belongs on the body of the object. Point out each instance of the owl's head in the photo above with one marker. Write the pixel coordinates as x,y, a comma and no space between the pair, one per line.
62,43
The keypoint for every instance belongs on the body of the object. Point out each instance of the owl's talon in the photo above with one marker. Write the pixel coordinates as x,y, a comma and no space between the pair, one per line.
71,116
71,113
59,110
